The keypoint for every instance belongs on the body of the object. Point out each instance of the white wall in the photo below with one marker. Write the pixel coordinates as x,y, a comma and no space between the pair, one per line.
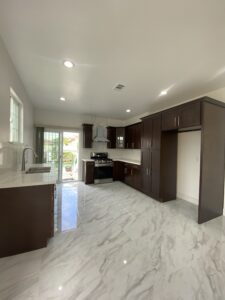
9,78
188,166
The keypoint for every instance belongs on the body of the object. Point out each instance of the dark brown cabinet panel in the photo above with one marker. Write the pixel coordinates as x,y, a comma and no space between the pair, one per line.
88,172
151,144
118,171
183,117
146,133
128,137
132,175
120,137
189,115
211,198
170,119
133,136
87,135
116,137
111,136
146,185
26,218
168,166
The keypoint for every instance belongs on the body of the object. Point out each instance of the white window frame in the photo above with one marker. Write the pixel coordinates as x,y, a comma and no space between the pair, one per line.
15,99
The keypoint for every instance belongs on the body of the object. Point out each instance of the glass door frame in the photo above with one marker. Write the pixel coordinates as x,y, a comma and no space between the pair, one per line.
60,154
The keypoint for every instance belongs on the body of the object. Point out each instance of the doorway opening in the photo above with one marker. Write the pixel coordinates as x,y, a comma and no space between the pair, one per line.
61,151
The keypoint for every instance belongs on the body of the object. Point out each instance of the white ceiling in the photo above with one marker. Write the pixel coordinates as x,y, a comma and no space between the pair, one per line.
147,45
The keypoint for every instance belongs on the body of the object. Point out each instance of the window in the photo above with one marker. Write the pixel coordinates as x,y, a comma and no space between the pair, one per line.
16,118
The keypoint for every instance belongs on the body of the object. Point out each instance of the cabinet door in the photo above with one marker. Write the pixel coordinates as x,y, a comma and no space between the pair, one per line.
170,119
137,136
156,132
111,136
146,133
155,173
136,173
146,171
118,171
128,137
89,168
189,115
120,137
127,174
87,135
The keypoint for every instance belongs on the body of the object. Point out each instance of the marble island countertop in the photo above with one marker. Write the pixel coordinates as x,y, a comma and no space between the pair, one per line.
11,178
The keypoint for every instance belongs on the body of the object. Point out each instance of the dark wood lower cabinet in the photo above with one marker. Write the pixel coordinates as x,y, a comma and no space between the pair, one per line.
88,170
118,171
132,175
26,218
128,173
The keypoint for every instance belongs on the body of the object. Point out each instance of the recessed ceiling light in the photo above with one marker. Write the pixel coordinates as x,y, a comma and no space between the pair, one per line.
163,93
62,98
128,110
68,64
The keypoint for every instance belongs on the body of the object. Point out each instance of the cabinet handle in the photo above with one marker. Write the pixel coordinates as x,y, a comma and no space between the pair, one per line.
175,121
178,121
147,171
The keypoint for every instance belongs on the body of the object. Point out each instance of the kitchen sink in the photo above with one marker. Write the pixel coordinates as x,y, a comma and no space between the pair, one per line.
33,170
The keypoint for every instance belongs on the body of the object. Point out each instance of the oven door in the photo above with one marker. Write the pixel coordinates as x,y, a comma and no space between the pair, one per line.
103,174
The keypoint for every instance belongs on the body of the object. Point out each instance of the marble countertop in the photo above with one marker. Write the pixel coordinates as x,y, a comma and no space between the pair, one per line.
11,179
129,161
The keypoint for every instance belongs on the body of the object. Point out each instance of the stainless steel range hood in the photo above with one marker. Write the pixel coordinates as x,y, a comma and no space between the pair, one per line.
101,135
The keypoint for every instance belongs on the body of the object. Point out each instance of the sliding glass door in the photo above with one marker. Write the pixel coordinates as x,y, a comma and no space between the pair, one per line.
70,155
61,151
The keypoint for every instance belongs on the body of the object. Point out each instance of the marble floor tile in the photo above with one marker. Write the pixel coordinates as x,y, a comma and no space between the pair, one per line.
114,243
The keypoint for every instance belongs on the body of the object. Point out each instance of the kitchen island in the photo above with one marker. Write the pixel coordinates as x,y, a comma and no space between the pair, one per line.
27,211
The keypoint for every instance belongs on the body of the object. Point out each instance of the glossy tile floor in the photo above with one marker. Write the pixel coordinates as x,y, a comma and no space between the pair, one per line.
121,244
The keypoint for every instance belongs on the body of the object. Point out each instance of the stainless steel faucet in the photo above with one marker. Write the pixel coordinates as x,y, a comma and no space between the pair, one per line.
23,156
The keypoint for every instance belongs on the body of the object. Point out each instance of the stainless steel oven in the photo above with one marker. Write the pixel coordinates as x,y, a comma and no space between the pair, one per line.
103,167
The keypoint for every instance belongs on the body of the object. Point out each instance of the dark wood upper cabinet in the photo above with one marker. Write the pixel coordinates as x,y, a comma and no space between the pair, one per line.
120,137
116,137
133,136
87,135
111,136
189,115
183,117
170,119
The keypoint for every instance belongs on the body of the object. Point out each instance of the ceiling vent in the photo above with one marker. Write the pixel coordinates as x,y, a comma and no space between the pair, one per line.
119,87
